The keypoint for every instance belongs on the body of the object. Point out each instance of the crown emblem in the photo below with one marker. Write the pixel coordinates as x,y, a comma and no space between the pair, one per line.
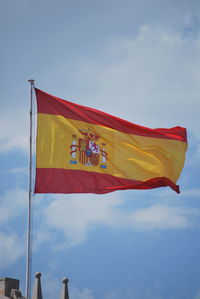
87,150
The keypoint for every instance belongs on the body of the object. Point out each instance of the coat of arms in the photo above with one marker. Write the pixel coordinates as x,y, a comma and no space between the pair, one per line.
87,151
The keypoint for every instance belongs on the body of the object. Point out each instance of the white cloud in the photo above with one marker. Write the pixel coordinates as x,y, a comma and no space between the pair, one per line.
195,192
76,216
196,156
112,295
131,293
151,78
12,245
40,236
11,248
197,295
125,294
18,170
13,202
161,217
81,294
14,130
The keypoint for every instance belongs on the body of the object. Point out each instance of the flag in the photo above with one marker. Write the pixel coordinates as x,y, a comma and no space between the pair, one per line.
84,150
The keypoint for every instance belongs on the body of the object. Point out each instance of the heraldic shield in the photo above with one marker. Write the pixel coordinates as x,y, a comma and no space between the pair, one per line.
87,151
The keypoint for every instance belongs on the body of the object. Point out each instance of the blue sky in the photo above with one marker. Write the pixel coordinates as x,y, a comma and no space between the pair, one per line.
138,60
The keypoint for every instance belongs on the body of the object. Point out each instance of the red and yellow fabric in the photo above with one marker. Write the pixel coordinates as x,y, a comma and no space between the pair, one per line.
83,150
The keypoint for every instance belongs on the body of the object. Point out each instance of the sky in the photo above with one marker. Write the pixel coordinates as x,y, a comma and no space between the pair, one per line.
138,60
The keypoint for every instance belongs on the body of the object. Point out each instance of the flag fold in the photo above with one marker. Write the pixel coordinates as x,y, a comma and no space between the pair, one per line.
83,150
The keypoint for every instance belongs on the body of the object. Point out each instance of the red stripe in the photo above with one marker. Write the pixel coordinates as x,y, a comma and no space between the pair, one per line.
53,180
49,104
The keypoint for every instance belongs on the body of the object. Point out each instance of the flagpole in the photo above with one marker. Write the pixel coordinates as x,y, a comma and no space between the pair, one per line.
29,230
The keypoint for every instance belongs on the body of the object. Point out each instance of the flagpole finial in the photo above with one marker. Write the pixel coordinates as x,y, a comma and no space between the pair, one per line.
31,81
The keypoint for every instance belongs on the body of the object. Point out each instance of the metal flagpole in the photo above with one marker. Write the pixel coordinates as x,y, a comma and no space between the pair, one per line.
29,231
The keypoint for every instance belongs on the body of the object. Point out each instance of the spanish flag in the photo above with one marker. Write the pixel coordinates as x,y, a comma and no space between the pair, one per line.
83,150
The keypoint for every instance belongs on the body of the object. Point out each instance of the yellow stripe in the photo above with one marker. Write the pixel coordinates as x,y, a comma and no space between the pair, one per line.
129,156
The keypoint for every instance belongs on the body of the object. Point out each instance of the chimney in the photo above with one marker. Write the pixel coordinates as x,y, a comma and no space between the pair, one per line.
9,287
